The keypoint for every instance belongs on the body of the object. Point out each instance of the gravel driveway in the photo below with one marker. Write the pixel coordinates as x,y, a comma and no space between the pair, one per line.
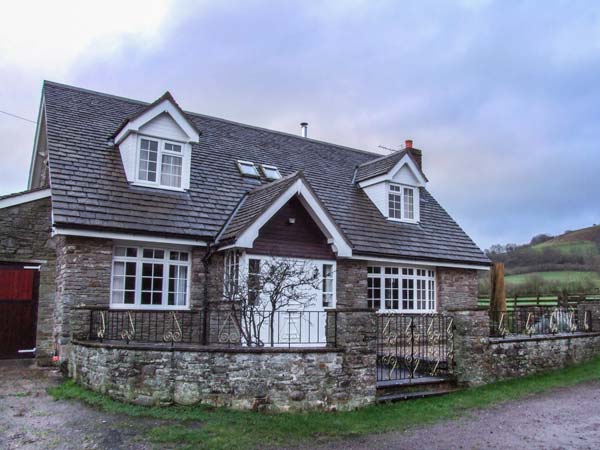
31,419
567,418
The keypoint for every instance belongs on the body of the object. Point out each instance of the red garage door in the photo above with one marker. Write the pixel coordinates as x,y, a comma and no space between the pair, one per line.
18,310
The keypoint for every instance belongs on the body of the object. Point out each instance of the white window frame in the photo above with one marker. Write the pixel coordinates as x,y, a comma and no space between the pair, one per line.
231,263
332,277
241,163
161,151
243,259
401,193
264,168
426,275
139,260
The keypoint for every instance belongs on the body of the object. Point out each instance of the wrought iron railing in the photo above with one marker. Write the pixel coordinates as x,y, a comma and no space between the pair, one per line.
414,346
540,320
219,325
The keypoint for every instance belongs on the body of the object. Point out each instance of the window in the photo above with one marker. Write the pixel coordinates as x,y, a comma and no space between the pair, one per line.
327,289
395,202
391,288
150,278
232,272
374,287
401,203
270,172
408,204
253,280
407,289
248,169
148,160
168,173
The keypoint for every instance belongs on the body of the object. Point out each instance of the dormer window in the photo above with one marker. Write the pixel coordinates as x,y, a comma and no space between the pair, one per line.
270,172
160,163
156,146
401,203
248,169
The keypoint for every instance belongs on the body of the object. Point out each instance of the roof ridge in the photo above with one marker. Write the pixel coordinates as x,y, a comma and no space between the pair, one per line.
245,125
296,174
381,158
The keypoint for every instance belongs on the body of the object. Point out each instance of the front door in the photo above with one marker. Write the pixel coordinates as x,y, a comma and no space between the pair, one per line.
18,310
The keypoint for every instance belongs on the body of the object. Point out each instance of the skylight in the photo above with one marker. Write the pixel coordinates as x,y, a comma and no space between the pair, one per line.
248,169
271,172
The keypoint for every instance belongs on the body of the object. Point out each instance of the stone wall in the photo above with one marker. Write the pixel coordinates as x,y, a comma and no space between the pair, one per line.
25,237
83,279
351,283
242,378
456,288
480,359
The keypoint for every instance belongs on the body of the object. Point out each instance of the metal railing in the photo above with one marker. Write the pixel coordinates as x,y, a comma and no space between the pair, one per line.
540,320
219,325
414,346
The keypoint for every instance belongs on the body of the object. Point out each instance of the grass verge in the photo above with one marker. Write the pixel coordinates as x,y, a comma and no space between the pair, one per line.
220,428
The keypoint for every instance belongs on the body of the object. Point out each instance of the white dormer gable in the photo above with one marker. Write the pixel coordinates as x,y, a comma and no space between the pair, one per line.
396,193
156,146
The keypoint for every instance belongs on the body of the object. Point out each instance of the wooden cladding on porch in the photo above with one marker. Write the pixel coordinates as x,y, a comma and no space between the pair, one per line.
300,239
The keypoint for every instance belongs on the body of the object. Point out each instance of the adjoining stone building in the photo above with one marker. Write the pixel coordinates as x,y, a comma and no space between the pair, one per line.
143,209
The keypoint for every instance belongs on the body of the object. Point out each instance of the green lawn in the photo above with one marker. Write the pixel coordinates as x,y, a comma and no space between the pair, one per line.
219,428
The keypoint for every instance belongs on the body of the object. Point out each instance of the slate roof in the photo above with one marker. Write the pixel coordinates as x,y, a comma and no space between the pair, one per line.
381,166
90,190
254,203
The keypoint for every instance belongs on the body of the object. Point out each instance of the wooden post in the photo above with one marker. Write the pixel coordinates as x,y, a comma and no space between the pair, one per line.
497,291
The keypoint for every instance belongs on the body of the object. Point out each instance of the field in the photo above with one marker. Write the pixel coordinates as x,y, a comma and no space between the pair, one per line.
568,276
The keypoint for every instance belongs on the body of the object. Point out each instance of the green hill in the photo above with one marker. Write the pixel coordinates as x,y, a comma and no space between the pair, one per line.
569,262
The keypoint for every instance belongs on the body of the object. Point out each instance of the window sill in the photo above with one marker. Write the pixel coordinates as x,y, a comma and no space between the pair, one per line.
123,306
391,219
157,186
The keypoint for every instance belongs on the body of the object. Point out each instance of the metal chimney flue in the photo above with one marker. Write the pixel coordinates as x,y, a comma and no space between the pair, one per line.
304,129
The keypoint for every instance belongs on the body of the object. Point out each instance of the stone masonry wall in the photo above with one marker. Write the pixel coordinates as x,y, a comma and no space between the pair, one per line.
25,237
84,278
351,285
456,288
241,378
480,359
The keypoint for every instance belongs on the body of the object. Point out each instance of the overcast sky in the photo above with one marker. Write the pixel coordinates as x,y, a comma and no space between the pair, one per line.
502,97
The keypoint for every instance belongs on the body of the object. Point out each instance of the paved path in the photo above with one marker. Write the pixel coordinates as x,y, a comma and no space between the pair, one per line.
567,418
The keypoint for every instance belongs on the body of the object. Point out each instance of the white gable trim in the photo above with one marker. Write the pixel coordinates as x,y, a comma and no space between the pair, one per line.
406,160
315,210
38,130
420,263
26,197
126,237
165,106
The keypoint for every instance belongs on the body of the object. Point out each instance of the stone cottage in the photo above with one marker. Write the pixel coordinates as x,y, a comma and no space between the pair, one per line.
138,214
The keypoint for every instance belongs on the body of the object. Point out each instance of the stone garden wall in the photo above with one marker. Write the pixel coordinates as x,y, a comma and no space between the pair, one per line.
282,379
480,359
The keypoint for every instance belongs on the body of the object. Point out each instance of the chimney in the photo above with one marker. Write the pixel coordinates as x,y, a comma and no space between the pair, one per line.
304,128
416,153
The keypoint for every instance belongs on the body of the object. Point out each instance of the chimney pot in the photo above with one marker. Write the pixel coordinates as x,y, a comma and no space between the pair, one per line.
304,128
408,143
